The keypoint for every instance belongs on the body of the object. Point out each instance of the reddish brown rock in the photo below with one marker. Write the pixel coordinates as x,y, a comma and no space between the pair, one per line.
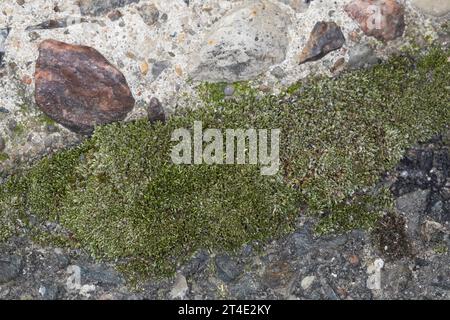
382,19
325,37
77,87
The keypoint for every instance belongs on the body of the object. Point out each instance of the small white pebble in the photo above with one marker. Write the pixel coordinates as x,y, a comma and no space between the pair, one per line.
42,291
307,282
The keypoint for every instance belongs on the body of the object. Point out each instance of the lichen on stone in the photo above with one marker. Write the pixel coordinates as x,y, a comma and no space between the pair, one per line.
120,196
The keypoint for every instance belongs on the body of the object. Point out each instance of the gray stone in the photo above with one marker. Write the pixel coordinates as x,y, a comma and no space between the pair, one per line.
51,128
34,35
440,212
158,67
362,56
164,17
99,7
246,287
436,8
180,288
396,278
300,243
101,275
4,32
278,72
12,124
149,13
413,205
227,269
243,44
229,90
10,267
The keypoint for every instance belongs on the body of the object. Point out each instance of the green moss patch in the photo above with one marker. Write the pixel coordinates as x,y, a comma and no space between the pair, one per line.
120,196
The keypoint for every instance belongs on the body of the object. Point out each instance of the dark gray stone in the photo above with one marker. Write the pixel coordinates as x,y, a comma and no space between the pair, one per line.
101,275
397,278
227,269
413,205
164,17
197,264
325,37
155,111
278,72
10,267
246,287
2,144
12,124
300,243
51,24
4,32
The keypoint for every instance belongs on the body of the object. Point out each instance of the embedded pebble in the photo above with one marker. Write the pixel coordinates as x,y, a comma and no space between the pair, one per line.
78,88
324,38
382,19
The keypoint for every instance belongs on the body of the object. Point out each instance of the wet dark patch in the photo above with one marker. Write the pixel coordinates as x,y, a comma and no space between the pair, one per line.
390,237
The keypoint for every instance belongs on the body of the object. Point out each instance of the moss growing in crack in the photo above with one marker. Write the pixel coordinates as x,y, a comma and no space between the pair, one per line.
362,211
19,129
391,238
441,249
3,156
215,92
45,120
122,198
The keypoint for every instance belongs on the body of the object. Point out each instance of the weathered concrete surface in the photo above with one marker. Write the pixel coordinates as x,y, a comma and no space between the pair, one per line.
437,8
243,44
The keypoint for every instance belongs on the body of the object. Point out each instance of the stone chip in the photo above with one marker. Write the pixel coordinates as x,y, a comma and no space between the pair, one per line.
325,37
77,87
